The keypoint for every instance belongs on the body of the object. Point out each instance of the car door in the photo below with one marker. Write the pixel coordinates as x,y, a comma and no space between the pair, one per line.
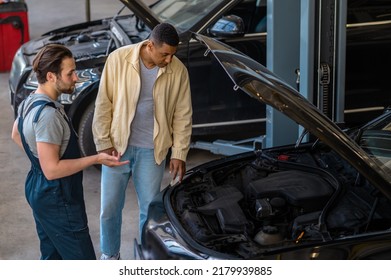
218,107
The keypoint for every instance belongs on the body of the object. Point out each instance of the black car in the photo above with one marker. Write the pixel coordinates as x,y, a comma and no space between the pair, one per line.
218,111
325,198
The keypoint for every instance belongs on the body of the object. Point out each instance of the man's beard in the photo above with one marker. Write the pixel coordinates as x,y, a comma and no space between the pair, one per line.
64,89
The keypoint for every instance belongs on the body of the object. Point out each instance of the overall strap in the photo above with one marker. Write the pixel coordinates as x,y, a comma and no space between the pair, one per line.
41,103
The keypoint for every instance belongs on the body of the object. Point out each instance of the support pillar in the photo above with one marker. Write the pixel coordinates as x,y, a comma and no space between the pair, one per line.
283,48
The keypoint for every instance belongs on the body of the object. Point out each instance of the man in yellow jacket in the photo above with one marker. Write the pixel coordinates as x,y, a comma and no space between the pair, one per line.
142,110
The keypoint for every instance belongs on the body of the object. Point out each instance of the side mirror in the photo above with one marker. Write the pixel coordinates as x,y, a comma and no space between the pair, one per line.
228,26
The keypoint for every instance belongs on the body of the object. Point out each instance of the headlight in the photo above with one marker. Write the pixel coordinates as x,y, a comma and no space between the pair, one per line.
32,80
18,69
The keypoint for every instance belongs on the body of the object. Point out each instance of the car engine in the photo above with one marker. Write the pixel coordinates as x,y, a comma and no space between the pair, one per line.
277,200
97,39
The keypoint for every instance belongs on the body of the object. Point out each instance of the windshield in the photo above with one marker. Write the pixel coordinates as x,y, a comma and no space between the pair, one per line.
183,14
376,141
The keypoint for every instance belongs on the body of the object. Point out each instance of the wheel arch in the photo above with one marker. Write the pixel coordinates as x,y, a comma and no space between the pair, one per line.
79,105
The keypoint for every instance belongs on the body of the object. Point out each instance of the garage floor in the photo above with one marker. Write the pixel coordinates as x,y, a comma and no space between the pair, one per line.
18,239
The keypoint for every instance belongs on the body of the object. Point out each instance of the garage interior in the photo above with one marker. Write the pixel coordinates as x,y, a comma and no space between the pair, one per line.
18,239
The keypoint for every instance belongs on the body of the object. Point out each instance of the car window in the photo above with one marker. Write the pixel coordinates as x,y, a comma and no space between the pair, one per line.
253,13
361,11
376,141
183,14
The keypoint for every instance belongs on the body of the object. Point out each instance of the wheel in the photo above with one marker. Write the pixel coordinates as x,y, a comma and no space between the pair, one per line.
86,140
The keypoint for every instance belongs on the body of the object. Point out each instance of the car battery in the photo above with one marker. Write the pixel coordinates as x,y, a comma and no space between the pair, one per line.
14,31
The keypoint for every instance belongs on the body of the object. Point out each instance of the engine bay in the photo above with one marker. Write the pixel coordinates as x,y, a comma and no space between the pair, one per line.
95,40
278,199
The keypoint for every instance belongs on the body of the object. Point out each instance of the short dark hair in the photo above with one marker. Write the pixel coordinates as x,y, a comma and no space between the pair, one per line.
49,59
165,33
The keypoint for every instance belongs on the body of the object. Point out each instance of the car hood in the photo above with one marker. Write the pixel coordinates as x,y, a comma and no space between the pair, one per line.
204,17
142,11
263,85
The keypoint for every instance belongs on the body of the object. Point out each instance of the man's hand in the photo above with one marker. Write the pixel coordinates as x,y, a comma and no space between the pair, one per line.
177,168
111,160
110,157
110,151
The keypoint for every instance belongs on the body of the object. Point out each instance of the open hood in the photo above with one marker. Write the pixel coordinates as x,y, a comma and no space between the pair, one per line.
263,85
184,15
142,11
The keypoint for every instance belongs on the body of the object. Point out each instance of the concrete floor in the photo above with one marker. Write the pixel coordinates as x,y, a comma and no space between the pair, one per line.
18,239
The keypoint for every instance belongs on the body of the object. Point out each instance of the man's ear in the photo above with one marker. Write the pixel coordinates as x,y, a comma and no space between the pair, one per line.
51,77
150,45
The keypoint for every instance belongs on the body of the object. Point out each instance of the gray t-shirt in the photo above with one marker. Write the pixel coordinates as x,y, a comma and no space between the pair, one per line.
141,134
51,126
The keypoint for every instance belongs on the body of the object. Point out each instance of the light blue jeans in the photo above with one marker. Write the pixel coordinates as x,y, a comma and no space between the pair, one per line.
147,177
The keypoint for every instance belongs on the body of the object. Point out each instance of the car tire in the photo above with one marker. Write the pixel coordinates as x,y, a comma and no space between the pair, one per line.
86,140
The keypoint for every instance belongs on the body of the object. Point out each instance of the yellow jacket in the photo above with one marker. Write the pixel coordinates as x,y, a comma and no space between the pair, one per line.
117,99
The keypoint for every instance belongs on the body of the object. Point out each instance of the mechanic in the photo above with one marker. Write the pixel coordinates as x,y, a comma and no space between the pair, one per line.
53,186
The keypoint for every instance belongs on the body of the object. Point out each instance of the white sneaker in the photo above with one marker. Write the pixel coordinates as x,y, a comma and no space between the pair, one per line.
107,258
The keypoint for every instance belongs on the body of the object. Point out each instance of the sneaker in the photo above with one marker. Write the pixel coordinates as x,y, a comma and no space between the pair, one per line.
107,258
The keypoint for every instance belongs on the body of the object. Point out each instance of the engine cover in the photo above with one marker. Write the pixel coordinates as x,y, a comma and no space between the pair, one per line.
300,189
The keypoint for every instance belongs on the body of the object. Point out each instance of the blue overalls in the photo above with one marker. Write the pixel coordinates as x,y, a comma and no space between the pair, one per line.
58,205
